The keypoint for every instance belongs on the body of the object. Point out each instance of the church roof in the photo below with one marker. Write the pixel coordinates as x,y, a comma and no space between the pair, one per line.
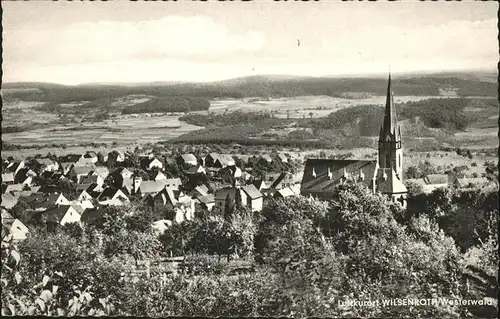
321,175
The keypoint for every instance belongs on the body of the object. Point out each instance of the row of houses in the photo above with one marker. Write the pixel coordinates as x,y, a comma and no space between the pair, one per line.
97,187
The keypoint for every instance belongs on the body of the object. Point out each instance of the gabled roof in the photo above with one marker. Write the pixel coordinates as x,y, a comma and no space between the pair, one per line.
44,161
259,184
67,165
436,179
73,158
252,191
82,170
109,193
207,199
56,214
89,179
101,170
14,188
152,186
189,158
201,189
285,192
225,160
194,169
266,157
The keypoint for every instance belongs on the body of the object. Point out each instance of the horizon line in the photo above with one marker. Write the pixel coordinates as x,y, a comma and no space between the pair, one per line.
348,75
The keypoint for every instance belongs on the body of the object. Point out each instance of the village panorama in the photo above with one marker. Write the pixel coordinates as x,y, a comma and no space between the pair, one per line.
366,195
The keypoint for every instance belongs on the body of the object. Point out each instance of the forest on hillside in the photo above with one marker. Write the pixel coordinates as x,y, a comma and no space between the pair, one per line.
167,104
254,86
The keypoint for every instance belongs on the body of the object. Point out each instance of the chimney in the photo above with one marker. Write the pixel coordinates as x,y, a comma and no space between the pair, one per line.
384,175
329,173
313,172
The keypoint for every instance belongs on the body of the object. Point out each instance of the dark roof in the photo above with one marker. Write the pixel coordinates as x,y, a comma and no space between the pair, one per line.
108,193
222,194
79,170
252,191
193,169
323,183
390,126
258,183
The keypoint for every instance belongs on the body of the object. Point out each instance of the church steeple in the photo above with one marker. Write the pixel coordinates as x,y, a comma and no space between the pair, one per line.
390,119
390,148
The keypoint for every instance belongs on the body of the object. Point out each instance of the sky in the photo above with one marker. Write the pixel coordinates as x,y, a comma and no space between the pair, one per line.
122,41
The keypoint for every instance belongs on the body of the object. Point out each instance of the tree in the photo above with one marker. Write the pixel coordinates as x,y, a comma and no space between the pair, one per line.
228,208
237,199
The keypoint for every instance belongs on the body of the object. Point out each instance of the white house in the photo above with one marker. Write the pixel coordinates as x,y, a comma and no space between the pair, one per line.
62,215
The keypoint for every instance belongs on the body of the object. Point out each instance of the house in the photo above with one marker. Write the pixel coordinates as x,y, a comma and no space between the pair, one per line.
101,171
384,175
182,205
102,158
207,201
71,158
8,201
14,226
125,173
113,197
149,187
260,184
251,198
90,157
49,189
45,164
78,172
209,160
188,159
62,215
281,158
265,159
42,202
8,178
159,176
199,191
433,181
14,167
284,193
84,195
86,162
173,182
198,169
24,174
224,160
66,167
13,188
280,182
115,157
149,163
93,179
83,204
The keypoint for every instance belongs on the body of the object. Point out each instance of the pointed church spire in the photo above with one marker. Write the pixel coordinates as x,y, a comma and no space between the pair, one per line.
390,119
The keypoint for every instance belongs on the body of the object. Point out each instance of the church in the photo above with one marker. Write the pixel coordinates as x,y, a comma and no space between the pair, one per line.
384,175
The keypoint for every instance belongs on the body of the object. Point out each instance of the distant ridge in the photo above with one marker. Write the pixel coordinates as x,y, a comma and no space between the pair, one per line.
474,75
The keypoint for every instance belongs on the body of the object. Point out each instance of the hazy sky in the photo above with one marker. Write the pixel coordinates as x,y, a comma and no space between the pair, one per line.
123,41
